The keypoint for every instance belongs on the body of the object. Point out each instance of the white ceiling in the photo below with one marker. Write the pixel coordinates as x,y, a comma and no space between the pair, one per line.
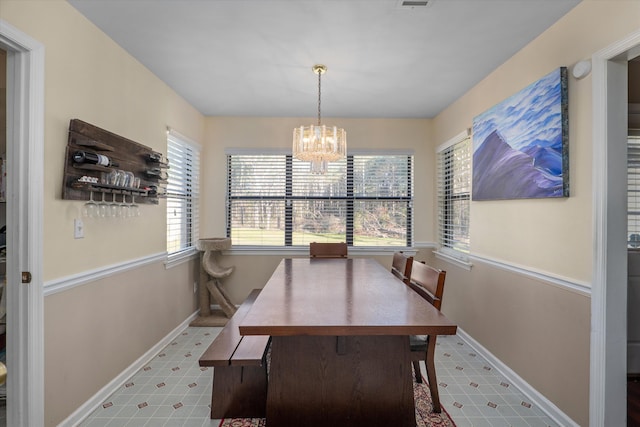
254,57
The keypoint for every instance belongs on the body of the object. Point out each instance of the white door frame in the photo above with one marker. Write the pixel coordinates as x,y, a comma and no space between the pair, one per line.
607,394
25,152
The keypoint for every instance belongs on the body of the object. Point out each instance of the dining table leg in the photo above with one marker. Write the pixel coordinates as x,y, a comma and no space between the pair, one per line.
319,381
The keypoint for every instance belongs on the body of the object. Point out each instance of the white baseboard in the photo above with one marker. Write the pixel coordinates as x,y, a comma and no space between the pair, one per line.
524,387
97,399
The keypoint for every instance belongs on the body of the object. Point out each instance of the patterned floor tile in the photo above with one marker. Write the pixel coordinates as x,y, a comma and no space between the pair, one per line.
173,391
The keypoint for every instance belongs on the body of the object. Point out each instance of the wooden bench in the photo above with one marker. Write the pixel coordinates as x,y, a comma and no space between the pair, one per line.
239,369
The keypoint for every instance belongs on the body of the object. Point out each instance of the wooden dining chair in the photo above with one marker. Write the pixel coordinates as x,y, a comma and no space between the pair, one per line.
327,250
401,266
428,282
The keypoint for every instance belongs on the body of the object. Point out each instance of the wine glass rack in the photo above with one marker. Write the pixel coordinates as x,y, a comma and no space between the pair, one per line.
149,168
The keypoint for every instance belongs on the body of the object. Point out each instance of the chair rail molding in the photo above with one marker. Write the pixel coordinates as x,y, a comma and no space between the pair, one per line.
580,287
69,282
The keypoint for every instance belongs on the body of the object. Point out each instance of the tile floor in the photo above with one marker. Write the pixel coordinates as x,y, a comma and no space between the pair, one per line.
172,390
475,394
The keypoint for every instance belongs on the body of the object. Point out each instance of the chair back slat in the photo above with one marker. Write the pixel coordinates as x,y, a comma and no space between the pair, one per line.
401,266
428,282
328,250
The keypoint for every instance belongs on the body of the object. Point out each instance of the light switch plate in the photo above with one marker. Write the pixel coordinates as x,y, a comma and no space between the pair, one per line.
78,229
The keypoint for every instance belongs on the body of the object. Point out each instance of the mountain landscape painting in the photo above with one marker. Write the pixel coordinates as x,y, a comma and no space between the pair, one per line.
520,146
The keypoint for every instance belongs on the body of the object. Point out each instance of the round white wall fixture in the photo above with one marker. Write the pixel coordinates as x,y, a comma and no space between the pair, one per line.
582,69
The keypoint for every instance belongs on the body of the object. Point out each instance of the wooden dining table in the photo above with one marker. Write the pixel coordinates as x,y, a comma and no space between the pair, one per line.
340,343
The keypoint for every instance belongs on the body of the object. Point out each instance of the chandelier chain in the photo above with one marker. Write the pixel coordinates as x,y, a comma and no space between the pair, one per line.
319,97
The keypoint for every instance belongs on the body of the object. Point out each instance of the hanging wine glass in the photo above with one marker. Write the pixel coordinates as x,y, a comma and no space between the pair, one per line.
115,207
90,209
124,207
103,208
134,209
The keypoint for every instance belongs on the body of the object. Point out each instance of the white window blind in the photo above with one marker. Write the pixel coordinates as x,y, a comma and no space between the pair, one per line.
454,190
633,192
364,200
318,204
183,191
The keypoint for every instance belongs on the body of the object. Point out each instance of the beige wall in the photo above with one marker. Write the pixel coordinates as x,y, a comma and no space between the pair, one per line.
539,330
95,331
276,132
557,237
89,77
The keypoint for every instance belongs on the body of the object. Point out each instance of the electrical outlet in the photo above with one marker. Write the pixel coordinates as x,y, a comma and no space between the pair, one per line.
78,229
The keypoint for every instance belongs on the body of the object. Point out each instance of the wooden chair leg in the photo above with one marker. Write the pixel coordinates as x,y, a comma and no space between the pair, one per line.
431,373
416,370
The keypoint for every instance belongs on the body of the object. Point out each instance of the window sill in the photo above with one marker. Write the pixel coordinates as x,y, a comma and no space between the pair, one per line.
181,257
304,250
460,262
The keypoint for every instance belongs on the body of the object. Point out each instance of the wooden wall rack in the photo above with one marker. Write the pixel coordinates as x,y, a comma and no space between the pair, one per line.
148,165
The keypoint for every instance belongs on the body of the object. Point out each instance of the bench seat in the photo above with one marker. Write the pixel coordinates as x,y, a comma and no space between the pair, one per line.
240,369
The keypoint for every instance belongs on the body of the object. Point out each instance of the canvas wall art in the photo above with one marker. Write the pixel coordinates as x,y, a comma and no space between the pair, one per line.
521,145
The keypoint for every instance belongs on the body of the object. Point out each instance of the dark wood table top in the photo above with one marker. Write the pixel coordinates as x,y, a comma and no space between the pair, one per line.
355,296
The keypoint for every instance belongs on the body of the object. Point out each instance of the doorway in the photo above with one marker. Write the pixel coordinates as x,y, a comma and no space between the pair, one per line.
3,238
608,354
24,166
633,244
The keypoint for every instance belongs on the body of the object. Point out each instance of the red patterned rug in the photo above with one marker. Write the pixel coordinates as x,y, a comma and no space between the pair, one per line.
424,416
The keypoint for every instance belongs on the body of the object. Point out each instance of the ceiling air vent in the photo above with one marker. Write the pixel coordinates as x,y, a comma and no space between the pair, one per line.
415,3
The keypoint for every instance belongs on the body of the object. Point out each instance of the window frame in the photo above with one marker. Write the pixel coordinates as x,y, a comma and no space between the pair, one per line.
446,198
349,199
190,196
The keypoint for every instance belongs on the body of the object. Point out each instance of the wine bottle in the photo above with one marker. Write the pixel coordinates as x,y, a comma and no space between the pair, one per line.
93,158
155,172
154,157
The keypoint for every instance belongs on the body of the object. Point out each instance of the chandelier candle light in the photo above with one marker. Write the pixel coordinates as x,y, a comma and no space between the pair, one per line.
319,144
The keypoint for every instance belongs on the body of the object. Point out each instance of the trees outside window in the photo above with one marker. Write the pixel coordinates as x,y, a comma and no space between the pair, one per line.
364,200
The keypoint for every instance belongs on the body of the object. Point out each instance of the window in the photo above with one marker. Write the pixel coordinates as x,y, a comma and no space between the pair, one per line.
364,200
182,193
633,192
454,189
